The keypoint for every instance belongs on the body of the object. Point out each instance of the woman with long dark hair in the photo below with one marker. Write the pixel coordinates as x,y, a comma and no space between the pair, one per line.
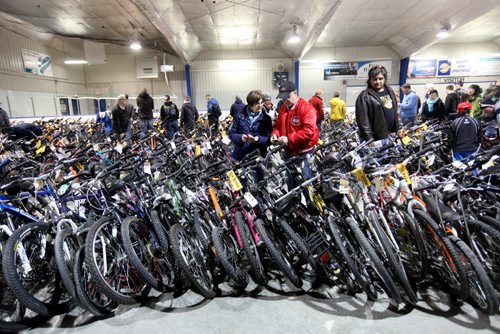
376,108
474,92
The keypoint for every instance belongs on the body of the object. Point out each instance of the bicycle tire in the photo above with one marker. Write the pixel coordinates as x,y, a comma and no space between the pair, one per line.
364,245
228,256
125,286
441,249
64,264
144,254
417,272
389,253
492,222
201,230
194,268
482,292
250,250
276,254
87,294
362,277
162,238
48,278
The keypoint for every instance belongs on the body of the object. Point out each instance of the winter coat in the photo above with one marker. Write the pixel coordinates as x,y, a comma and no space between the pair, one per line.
236,107
317,102
299,125
438,111
338,109
106,121
465,134
409,105
169,112
451,103
212,118
146,105
120,119
370,115
4,119
260,127
189,116
476,108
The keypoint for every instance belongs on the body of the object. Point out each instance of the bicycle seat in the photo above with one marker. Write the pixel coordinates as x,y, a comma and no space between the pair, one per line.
434,208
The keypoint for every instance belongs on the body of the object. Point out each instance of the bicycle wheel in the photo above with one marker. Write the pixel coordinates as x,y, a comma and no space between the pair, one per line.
109,266
353,259
190,258
363,245
250,250
276,254
492,222
31,273
228,255
89,295
66,245
442,256
482,292
202,229
413,252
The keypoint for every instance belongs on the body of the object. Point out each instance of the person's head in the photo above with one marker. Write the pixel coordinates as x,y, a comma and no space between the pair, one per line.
406,88
145,90
459,84
288,93
237,98
450,89
464,107
433,94
126,96
208,97
488,105
318,92
428,87
187,99
336,94
474,90
377,77
254,101
122,101
167,98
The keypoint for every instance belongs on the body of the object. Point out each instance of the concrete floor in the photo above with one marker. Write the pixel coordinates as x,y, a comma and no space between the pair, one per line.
281,310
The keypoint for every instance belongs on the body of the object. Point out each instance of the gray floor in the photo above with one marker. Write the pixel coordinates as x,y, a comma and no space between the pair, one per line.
275,311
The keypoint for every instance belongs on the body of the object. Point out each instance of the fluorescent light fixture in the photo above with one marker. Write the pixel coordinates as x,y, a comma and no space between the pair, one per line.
135,45
75,61
442,33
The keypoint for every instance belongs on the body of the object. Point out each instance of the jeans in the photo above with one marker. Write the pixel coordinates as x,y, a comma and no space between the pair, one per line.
144,125
172,128
129,133
459,155
408,120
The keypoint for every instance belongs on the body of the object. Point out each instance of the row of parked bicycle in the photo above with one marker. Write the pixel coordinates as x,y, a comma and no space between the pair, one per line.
98,225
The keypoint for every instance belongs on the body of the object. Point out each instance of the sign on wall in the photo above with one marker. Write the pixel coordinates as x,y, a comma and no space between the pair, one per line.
37,63
443,68
353,70
422,68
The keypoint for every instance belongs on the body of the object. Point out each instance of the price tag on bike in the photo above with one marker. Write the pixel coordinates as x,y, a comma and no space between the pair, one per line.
250,199
344,186
172,145
406,140
208,145
233,180
39,184
197,150
379,184
404,172
147,167
38,144
424,126
119,148
40,150
361,176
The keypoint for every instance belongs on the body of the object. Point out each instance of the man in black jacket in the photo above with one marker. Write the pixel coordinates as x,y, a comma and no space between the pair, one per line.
189,115
121,117
451,101
465,133
376,108
146,105
169,114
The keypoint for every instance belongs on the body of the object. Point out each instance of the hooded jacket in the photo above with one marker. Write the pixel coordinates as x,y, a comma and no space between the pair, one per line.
317,102
299,125
146,105
120,119
338,109
370,115
465,134
260,127
212,118
409,105
189,116
236,107
169,112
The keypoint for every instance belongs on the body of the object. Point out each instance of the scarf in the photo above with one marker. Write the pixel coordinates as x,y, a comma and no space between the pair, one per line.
252,116
430,104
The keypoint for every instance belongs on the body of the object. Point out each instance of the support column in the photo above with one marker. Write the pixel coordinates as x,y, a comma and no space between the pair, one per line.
296,63
403,74
187,74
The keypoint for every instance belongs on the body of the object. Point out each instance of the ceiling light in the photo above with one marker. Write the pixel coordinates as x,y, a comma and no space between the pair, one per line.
293,37
75,61
135,45
443,33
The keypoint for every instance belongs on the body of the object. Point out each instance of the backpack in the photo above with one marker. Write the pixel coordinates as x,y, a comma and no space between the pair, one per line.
216,109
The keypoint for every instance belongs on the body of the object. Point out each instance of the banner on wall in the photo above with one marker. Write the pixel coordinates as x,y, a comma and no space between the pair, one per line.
422,68
455,67
486,66
37,63
353,70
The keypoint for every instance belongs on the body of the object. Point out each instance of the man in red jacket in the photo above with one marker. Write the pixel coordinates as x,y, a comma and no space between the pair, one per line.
296,125
317,102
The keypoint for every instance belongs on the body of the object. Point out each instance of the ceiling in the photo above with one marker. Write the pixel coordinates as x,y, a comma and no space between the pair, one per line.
187,27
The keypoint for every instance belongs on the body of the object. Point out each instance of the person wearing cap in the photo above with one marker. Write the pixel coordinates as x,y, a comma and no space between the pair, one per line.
376,109
490,118
465,133
317,102
251,127
236,107
409,106
337,109
169,114
296,126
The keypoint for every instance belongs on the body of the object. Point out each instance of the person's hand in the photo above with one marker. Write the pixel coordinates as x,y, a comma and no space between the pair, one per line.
244,138
283,140
255,139
274,139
